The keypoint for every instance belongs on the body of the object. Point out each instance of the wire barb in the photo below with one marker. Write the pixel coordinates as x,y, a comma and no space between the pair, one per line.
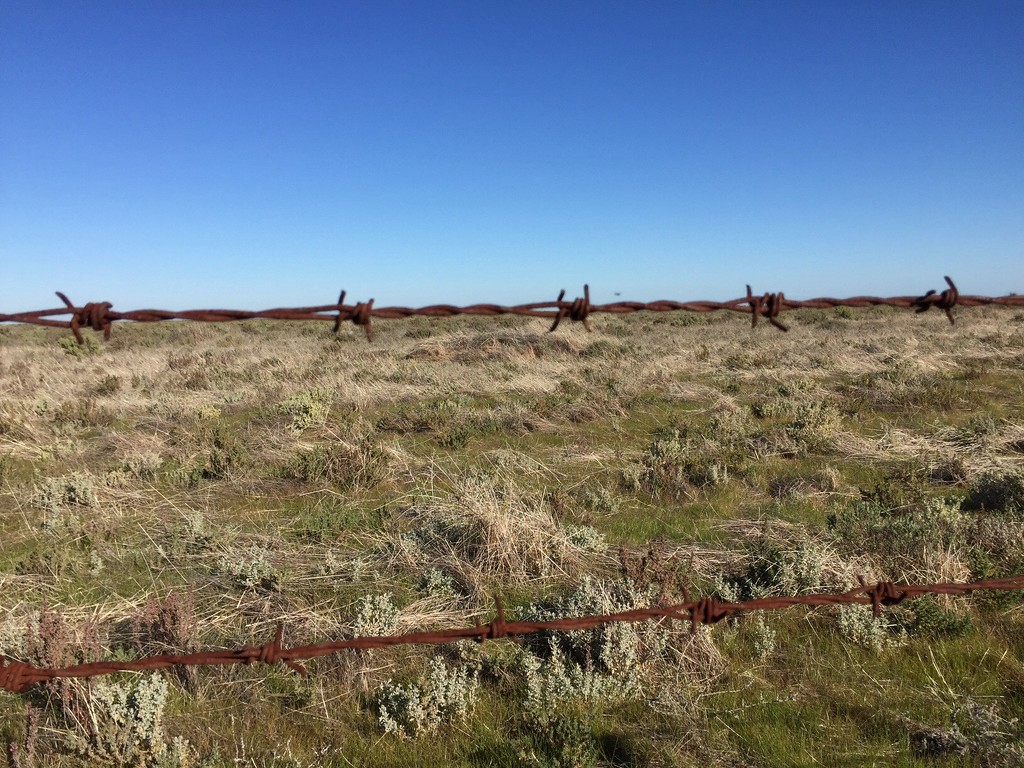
768,306
95,315
944,301
577,311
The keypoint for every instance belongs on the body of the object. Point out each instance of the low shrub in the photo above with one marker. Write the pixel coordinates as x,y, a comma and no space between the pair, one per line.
308,409
53,493
376,615
442,697
998,492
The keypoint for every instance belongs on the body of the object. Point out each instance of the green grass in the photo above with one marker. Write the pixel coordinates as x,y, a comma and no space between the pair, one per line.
296,473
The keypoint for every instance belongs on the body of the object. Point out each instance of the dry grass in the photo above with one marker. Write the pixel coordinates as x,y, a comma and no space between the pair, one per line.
278,473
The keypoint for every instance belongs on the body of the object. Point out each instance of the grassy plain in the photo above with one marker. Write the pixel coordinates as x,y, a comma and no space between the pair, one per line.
188,486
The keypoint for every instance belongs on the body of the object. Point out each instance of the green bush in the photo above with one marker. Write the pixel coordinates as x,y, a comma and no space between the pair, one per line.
126,725
930,620
998,492
250,569
857,623
608,661
772,569
77,489
71,346
675,466
865,526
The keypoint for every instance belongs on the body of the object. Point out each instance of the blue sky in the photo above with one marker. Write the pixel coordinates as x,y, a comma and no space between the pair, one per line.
248,154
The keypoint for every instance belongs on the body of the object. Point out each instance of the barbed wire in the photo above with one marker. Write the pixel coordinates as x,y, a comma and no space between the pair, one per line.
19,676
100,316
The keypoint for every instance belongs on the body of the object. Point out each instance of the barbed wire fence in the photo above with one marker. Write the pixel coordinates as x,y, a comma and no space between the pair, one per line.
19,676
100,316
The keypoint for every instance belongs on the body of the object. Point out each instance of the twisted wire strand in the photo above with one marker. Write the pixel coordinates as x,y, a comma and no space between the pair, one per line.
18,677
100,316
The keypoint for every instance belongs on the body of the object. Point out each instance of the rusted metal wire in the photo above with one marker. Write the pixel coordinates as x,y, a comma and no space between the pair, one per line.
18,676
100,315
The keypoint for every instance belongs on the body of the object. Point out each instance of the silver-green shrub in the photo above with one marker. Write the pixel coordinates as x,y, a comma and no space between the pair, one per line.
443,696
376,615
250,569
605,662
857,623
126,725
52,493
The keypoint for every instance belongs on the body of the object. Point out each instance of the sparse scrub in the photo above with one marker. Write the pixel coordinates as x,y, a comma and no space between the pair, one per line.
857,623
977,732
125,725
677,467
141,466
71,347
241,465
901,536
488,529
930,620
998,492
778,568
599,500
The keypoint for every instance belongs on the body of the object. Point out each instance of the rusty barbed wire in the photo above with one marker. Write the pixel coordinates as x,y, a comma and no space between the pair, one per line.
18,676
100,316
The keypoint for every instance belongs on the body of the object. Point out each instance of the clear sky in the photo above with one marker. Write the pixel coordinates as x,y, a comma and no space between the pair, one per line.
255,154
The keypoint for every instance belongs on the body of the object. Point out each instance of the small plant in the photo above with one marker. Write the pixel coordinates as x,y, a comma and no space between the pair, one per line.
772,569
250,569
308,409
895,534
53,493
193,534
600,500
376,616
675,466
977,732
443,696
814,425
125,725
437,582
998,741
561,731
71,347
141,466
166,625
998,492
107,386
362,465
585,537
857,623
932,621
764,636
487,529
605,662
